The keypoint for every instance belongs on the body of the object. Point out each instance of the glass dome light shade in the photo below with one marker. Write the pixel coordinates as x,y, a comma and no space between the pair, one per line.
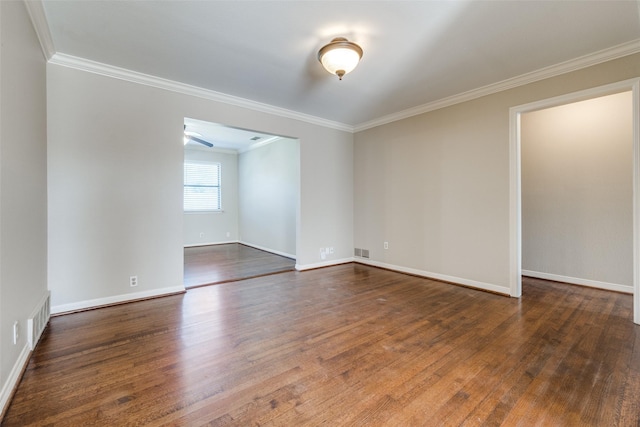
340,56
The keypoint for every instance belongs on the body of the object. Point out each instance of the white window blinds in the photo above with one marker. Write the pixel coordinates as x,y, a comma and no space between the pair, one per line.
201,186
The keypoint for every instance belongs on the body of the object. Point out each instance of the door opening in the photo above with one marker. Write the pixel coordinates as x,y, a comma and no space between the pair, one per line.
241,189
516,114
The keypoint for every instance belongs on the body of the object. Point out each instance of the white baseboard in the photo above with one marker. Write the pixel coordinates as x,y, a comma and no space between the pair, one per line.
262,248
99,302
582,282
13,379
302,267
195,245
437,276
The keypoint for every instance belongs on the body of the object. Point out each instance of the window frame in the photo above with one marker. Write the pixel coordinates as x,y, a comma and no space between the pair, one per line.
185,185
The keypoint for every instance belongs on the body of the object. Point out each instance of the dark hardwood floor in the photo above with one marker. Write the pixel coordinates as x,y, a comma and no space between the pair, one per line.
206,265
344,345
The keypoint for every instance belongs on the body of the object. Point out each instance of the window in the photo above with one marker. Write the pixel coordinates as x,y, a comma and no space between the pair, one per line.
201,186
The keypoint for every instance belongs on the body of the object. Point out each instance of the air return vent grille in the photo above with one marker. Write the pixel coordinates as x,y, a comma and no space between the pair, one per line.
364,253
38,320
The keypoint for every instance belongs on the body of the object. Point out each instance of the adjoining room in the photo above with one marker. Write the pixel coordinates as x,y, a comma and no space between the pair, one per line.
577,192
241,193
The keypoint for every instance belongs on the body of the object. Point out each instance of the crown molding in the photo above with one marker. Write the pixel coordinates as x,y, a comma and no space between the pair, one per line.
260,144
585,61
35,9
173,86
223,151
213,149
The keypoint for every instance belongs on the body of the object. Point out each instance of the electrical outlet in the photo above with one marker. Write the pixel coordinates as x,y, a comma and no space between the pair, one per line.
201,235
386,245
16,332
133,281
228,234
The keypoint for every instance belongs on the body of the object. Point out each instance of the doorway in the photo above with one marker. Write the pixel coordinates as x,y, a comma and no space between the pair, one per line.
516,178
254,219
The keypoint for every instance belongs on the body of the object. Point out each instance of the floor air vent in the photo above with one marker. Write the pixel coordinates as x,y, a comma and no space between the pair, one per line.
38,321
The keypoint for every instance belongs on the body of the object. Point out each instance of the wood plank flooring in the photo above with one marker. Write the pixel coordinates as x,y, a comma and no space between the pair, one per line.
205,265
345,345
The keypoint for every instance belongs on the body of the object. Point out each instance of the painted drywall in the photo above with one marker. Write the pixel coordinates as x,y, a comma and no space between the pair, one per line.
204,228
115,185
23,186
269,180
436,186
577,190
114,177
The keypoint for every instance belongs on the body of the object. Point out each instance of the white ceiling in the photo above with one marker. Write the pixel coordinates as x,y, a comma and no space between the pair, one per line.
415,52
225,137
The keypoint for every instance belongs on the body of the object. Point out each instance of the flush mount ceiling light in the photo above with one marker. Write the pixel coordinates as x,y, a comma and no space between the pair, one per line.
340,56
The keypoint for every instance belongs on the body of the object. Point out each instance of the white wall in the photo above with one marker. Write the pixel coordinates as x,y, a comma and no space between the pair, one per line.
115,185
436,186
577,191
23,186
269,179
214,226
115,179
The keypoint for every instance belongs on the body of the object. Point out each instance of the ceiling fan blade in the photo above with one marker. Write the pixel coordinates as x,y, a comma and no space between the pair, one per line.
201,141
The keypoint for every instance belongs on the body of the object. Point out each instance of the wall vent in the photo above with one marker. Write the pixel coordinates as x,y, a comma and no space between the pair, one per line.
38,321
365,253
357,252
